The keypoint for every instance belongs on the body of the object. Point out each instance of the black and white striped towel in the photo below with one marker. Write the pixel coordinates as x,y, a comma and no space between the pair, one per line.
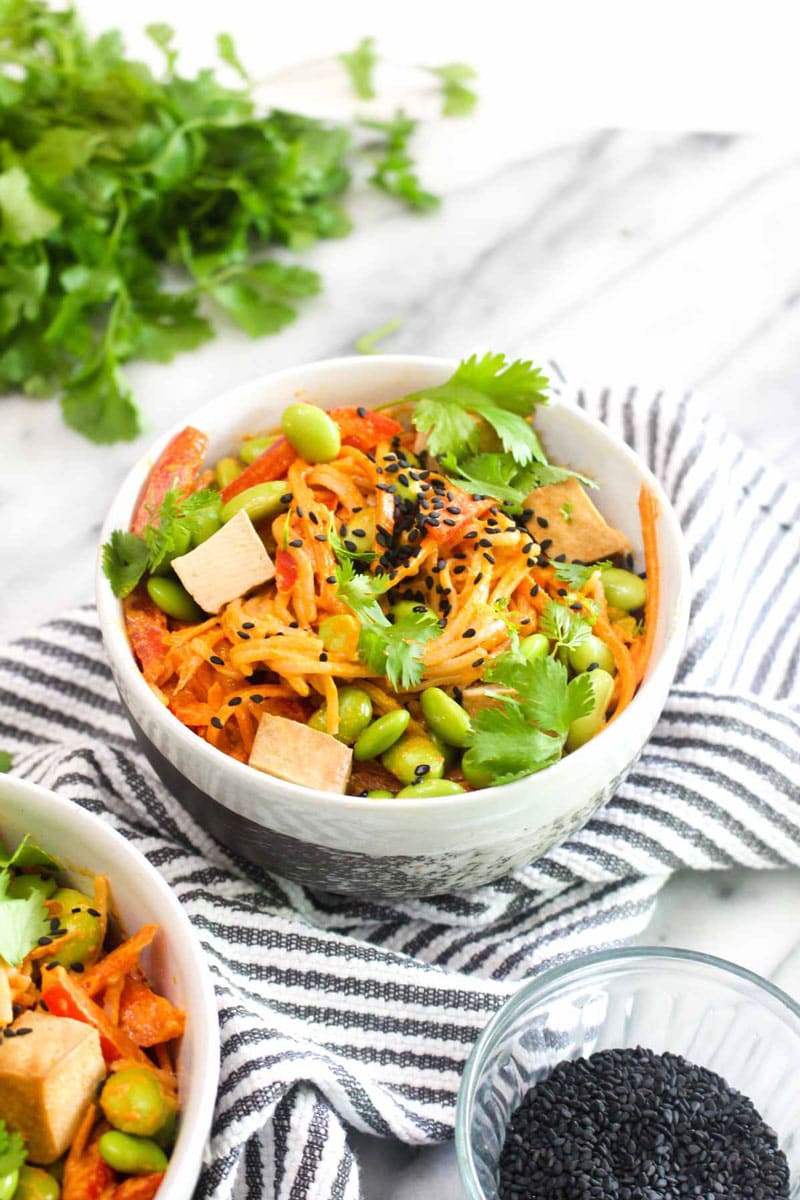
337,1014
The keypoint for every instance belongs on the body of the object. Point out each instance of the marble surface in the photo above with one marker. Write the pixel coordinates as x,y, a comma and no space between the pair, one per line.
661,257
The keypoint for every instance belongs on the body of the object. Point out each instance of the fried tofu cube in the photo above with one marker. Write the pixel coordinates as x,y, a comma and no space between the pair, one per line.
228,564
299,754
50,1068
574,526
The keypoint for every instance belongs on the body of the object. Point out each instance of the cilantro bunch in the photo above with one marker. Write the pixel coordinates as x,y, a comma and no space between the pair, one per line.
22,921
109,173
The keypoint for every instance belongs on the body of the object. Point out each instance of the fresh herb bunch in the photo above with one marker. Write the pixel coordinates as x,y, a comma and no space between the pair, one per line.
108,173
22,921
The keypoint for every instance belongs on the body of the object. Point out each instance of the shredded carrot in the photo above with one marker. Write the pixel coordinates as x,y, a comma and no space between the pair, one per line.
139,1187
648,515
86,1175
119,962
623,662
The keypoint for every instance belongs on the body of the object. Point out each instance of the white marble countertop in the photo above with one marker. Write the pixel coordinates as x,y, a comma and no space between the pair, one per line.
661,257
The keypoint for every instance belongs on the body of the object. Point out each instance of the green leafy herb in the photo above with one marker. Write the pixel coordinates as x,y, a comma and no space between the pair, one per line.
13,1151
22,923
28,854
392,649
394,171
563,626
565,512
577,575
6,761
458,100
109,173
360,64
125,559
527,733
366,343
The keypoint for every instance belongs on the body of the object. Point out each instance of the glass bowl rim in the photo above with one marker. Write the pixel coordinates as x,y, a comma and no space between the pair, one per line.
551,981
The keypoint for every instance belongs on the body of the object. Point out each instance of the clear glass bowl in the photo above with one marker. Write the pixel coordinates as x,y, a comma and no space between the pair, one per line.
712,1012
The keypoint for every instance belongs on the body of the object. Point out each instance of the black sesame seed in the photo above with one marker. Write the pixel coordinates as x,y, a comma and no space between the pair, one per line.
217,661
562,591
256,698
422,769
488,557
215,721
93,912
479,662
296,624
459,570
55,924
473,533
547,543
478,577
244,636
484,542
469,633
558,557
286,498
313,518
77,967
593,666
234,701
248,624
320,537
362,412
542,522
22,1032
330,579
76,910
534,590
45,941
51,966
449,521
296,543
576,607
323,657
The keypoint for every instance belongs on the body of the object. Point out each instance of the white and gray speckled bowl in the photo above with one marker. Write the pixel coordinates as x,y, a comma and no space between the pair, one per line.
401,847
174,962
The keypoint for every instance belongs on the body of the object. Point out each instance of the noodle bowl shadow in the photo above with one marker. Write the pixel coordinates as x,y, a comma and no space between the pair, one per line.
400,848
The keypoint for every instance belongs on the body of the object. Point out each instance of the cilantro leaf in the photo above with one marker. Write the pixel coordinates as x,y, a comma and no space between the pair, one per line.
360,64
577,575
13,1151
28,854
458,100
226,49
163,35
394,167
6,761
547,698
25,218
563,626
98,404
22,923
505,743
366,343
125,559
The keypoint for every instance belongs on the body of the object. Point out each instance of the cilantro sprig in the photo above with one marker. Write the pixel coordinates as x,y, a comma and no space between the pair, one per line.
566,629
13,1151
22,921
360,64
577,575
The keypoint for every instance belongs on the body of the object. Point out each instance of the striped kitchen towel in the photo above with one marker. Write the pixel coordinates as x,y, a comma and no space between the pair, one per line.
338,1014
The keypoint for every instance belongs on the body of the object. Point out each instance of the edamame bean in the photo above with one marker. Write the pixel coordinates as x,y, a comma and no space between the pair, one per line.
84,925
134,1102
445,716
359,532
131,1155
24,886
412,752
226,470
339,633
172,599
623,589
428,788
203,525
405,608
380,794
475,774
355,714
381,734
259,502
8,1184
592,651
535,646
253,448
182,540
165,1136
585,728
36,1184
313,434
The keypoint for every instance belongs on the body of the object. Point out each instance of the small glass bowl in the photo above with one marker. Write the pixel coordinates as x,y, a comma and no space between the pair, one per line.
713,1012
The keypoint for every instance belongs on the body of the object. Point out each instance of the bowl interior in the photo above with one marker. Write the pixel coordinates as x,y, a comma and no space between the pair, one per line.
571,437
174,962
713,1013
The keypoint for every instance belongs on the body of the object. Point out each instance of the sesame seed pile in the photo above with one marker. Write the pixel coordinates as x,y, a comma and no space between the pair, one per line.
631,1124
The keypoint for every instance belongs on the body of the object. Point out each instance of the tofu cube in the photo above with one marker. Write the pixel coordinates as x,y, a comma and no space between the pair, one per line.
230,563
574,526
301,755
47,1079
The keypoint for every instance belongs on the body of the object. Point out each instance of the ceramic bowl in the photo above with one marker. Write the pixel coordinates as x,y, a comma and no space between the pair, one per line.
401,847
712,1012
174,962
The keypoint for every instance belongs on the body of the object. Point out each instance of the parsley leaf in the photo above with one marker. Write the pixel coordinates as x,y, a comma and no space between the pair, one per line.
22,923
360,64
13,1151
577,575
394,167
458,100
564,627
125,559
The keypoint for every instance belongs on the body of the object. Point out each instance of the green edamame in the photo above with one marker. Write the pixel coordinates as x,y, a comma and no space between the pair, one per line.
133,1101
405,608
36,1184
261,501
535,646
592,651
428,788
253,448
165,1136
226,470
380,794
355,714
23,886
474,773
172,599
445,716
131,1155
339,633
413,752
623,589
359,532
381,734
84,925
311,432
585,728
8,1184
203,525
181,541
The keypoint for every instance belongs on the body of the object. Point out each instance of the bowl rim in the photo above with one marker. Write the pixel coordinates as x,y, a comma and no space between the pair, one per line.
187,1158
109,607
551,981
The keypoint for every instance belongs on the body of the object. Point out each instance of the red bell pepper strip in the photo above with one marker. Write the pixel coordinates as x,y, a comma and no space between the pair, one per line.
285,571
147,627
63,997
269,466
364,432
177,465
